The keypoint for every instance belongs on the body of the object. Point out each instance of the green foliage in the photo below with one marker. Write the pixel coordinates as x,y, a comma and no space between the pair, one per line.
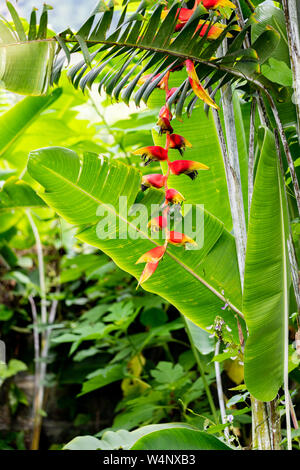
266,287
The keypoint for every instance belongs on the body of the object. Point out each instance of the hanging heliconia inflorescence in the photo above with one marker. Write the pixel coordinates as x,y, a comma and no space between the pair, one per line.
156,153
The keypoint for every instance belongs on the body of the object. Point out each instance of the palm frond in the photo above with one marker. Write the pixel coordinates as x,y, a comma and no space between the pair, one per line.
119,49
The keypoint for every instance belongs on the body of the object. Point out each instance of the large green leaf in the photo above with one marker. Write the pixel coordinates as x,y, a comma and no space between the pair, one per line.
266,288
14,122
179,439
25,67
268,14
123,439
197,282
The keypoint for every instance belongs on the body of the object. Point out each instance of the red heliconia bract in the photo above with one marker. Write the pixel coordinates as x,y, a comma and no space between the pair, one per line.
154,153
158,223
155,180
152,258
164,126
171,93
187,167
178,142
165,113
149,269
213,4
196,85
179,239
153,255
174,196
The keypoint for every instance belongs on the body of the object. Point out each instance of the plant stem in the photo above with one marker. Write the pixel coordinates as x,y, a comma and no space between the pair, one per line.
41,267
234,190
202,373
41,370
292,27
220,391
261,438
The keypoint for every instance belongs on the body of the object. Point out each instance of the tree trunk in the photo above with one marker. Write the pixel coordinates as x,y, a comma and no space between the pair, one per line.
266,434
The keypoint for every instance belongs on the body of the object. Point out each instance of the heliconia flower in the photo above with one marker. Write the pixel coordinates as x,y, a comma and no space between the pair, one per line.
161,84
158,223
213,4
187,167
173,196
183,17
149,269
170,93
153,153
180,239
165,113
196,85
178,142
155,180
164,126
214,30
152,256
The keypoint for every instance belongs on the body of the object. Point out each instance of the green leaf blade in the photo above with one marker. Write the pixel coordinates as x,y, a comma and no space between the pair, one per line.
266,286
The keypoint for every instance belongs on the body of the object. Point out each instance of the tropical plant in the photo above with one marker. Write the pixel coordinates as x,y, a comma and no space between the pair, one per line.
242,283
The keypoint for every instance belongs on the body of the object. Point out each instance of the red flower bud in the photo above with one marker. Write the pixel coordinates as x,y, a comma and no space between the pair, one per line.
178,142
165,113
154,153
155,180
180,239
187,167
158,223
173,196
164,126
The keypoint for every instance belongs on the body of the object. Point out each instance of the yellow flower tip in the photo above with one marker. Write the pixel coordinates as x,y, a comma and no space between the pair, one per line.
140,151
203,167
187,143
